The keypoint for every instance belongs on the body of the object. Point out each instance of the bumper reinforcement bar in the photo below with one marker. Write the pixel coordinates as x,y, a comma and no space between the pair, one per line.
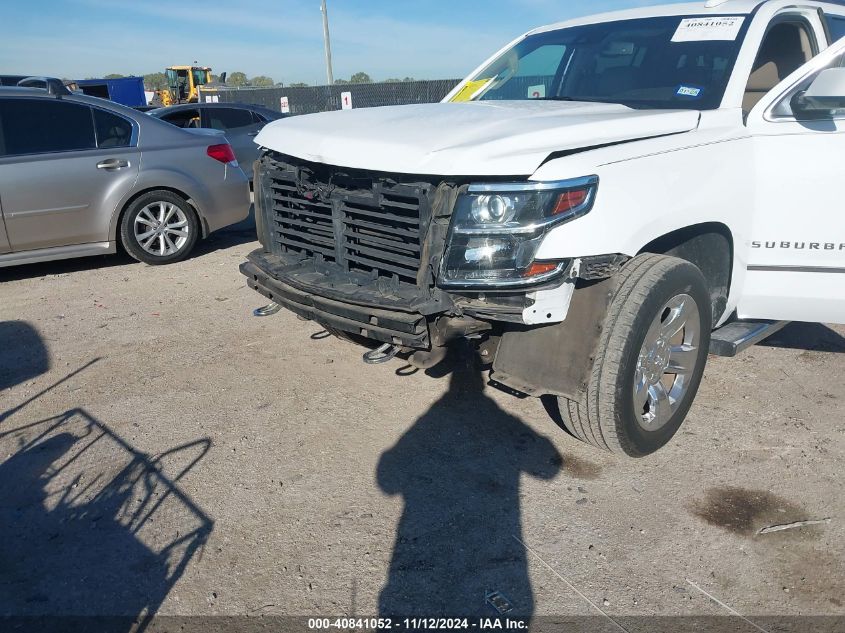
387,326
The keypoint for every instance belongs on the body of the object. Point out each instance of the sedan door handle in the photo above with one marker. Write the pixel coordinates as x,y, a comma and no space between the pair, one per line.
253,133
112,164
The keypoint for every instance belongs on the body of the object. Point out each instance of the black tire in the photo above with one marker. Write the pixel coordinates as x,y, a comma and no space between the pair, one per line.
129,222
607,418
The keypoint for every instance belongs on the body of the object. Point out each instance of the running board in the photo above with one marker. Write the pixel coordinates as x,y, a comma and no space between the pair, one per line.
738,336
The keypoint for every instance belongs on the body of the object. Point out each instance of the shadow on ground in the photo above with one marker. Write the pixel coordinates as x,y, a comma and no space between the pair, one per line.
23,356
458,470
66,266
813,337
89,525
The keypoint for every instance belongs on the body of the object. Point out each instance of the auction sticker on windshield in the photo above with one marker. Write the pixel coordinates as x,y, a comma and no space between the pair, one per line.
709,29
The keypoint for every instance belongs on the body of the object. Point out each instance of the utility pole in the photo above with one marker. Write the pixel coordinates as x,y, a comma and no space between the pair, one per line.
328,41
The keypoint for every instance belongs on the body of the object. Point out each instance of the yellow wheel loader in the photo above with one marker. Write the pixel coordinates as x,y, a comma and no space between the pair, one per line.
183,84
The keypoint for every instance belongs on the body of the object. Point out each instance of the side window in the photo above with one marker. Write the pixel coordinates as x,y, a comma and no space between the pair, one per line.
786,47
229,118
783,109
836,24
41,126
112,130
257,118
183,118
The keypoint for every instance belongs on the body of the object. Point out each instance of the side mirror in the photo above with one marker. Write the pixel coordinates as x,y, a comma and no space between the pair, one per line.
823,97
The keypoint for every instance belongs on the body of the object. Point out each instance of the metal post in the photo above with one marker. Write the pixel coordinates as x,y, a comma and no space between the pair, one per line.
328,41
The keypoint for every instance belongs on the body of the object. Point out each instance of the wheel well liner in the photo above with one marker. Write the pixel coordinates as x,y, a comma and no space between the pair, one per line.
709,246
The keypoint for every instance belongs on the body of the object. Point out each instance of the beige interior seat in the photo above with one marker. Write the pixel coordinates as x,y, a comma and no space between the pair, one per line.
786,47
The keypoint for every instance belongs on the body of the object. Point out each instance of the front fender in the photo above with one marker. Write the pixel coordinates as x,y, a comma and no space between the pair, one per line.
642,199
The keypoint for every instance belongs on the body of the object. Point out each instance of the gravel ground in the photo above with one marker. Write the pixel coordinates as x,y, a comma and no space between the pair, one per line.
164,451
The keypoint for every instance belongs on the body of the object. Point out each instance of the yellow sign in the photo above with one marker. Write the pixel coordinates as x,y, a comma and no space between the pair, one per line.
470,90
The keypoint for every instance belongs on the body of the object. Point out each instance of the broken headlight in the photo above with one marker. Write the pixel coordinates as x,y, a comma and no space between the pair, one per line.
497,230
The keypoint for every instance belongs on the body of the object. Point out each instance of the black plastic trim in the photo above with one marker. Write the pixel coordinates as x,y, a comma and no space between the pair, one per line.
387,326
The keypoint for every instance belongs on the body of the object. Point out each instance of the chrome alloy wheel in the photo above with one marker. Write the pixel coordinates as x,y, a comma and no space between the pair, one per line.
161,228
666,362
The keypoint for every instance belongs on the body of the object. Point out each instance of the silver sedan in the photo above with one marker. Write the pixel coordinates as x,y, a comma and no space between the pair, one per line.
78,175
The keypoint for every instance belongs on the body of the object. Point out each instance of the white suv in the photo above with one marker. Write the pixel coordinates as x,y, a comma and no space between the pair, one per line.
588,206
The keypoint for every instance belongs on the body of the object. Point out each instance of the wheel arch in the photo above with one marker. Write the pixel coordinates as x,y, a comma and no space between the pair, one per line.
710,247
118,217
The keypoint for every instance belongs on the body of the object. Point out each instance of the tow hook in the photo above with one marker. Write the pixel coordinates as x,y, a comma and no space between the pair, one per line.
268,310
381,355
422,359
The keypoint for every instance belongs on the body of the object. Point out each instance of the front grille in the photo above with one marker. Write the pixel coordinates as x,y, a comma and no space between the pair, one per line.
302,225
369,226
382,235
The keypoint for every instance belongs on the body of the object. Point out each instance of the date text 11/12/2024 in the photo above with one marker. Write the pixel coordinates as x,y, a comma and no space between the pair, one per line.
433,624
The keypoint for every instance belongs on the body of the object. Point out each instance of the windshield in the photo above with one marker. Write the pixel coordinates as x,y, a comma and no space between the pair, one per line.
665,62
200,77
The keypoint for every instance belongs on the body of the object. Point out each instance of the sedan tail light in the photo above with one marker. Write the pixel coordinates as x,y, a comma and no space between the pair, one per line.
223,153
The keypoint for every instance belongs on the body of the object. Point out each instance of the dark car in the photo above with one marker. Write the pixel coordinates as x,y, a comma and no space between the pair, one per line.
11,80
240,122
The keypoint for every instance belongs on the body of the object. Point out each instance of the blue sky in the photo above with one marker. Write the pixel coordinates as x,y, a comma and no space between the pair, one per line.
281,38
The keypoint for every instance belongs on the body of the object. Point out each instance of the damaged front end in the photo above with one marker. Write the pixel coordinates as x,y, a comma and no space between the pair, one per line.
400,259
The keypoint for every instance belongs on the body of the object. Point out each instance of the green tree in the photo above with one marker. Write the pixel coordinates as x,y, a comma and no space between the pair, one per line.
360,78
261,81
341,82
298,85
155,81
114,76
237,78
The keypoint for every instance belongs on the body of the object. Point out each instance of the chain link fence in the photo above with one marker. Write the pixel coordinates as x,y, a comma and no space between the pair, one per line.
324,98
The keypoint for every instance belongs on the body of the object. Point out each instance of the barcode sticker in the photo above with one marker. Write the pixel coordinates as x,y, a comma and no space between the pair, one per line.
709,29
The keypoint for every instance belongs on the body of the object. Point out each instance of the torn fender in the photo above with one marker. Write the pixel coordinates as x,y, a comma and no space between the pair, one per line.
557,359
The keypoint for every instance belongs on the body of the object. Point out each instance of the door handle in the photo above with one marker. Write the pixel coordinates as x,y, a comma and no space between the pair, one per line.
253,133
112,164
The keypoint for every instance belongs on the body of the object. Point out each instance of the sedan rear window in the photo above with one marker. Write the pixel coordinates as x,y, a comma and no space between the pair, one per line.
40,126
112,130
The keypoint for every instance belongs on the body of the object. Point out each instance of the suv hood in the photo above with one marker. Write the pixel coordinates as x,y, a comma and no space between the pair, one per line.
501,138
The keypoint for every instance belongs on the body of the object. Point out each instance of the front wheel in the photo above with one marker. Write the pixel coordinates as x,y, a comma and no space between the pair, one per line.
159,227
651,359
